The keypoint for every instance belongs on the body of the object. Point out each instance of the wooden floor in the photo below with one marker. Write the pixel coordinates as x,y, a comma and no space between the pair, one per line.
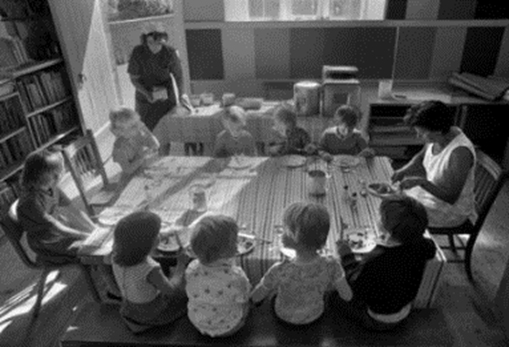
468,308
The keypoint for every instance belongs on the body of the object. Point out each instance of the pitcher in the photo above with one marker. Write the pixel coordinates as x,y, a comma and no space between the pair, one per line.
316,182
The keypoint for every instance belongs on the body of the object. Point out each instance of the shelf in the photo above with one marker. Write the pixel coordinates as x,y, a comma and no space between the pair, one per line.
28,68
49,107
57,138
11,170
12,134
8,96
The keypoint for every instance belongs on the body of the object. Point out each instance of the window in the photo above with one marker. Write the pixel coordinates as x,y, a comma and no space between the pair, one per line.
293,10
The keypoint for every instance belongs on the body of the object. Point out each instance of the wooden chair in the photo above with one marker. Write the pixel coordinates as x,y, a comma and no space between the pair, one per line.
83,160
489,180
14,233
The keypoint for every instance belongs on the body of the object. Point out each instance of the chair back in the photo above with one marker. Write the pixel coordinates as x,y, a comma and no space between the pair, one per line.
489,180
14,232
83,160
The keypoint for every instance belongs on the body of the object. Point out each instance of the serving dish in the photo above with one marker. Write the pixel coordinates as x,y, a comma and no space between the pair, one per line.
360,240
381,190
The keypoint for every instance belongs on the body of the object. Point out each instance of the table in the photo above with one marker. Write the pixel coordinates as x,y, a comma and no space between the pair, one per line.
205,123
256,197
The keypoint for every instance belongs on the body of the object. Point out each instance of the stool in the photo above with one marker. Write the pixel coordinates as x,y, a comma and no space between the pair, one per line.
337,92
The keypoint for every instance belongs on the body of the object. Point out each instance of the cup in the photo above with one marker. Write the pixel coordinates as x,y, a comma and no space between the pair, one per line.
385,89
316,182
228,99
207,99
198,198
195,100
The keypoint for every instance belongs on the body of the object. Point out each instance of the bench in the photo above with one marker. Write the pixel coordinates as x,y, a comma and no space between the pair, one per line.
101,325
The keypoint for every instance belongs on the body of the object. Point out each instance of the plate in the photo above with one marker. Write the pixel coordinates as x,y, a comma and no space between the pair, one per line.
245,245
239,163
381,190
360,240
294,160
168,243
347,162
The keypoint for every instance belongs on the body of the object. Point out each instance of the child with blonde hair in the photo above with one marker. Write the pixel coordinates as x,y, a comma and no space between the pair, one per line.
134,143
301,283
218,289
54,226
344,138
149,298
234,139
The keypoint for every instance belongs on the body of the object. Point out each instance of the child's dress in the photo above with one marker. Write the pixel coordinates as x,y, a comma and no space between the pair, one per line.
36,209
142,302
332,143
218,296
128,150
301,287
227,145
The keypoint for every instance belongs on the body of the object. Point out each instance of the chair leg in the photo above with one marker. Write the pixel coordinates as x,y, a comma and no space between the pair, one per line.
468,256
451,243
40,292
90,282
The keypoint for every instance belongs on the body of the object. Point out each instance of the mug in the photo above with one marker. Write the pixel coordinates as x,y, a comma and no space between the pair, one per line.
316,182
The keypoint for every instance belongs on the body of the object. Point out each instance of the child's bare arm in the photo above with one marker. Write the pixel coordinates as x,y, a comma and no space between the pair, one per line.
259,293
176,282
344,290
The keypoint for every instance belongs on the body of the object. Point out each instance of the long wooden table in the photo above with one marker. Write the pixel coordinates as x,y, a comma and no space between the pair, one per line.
256,197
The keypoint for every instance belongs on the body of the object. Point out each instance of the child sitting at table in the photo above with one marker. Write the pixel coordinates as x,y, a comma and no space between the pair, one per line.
291,139
301,283
218,289
134,143
52,223
344,138
54,226
234,139
149,298
386,281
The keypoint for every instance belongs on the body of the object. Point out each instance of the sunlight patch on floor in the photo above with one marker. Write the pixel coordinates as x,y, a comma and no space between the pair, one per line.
22,302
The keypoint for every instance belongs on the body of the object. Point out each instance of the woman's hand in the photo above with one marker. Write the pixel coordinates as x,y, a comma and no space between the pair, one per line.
412,181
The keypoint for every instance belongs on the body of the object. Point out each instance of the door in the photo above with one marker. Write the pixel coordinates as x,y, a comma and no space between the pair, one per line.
80,26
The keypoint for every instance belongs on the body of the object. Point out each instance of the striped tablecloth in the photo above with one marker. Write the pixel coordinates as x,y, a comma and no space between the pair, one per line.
256,197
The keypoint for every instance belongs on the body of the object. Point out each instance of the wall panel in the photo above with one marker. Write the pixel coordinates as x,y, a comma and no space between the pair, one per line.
482,46
272,53
238,53
205,54
370,49
415,49
447,52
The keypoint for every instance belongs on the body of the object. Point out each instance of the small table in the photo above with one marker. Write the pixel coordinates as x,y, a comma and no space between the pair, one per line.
256,197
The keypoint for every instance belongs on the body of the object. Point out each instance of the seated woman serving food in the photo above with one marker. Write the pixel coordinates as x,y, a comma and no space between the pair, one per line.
441,175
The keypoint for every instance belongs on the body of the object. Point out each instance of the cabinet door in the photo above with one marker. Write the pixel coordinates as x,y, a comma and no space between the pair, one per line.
80,26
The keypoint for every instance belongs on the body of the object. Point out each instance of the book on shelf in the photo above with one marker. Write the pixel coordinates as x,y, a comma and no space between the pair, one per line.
24,96
35,131
6,86
3,161
7,152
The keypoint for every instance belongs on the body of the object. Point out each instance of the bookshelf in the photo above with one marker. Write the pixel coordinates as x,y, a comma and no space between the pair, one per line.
37,106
